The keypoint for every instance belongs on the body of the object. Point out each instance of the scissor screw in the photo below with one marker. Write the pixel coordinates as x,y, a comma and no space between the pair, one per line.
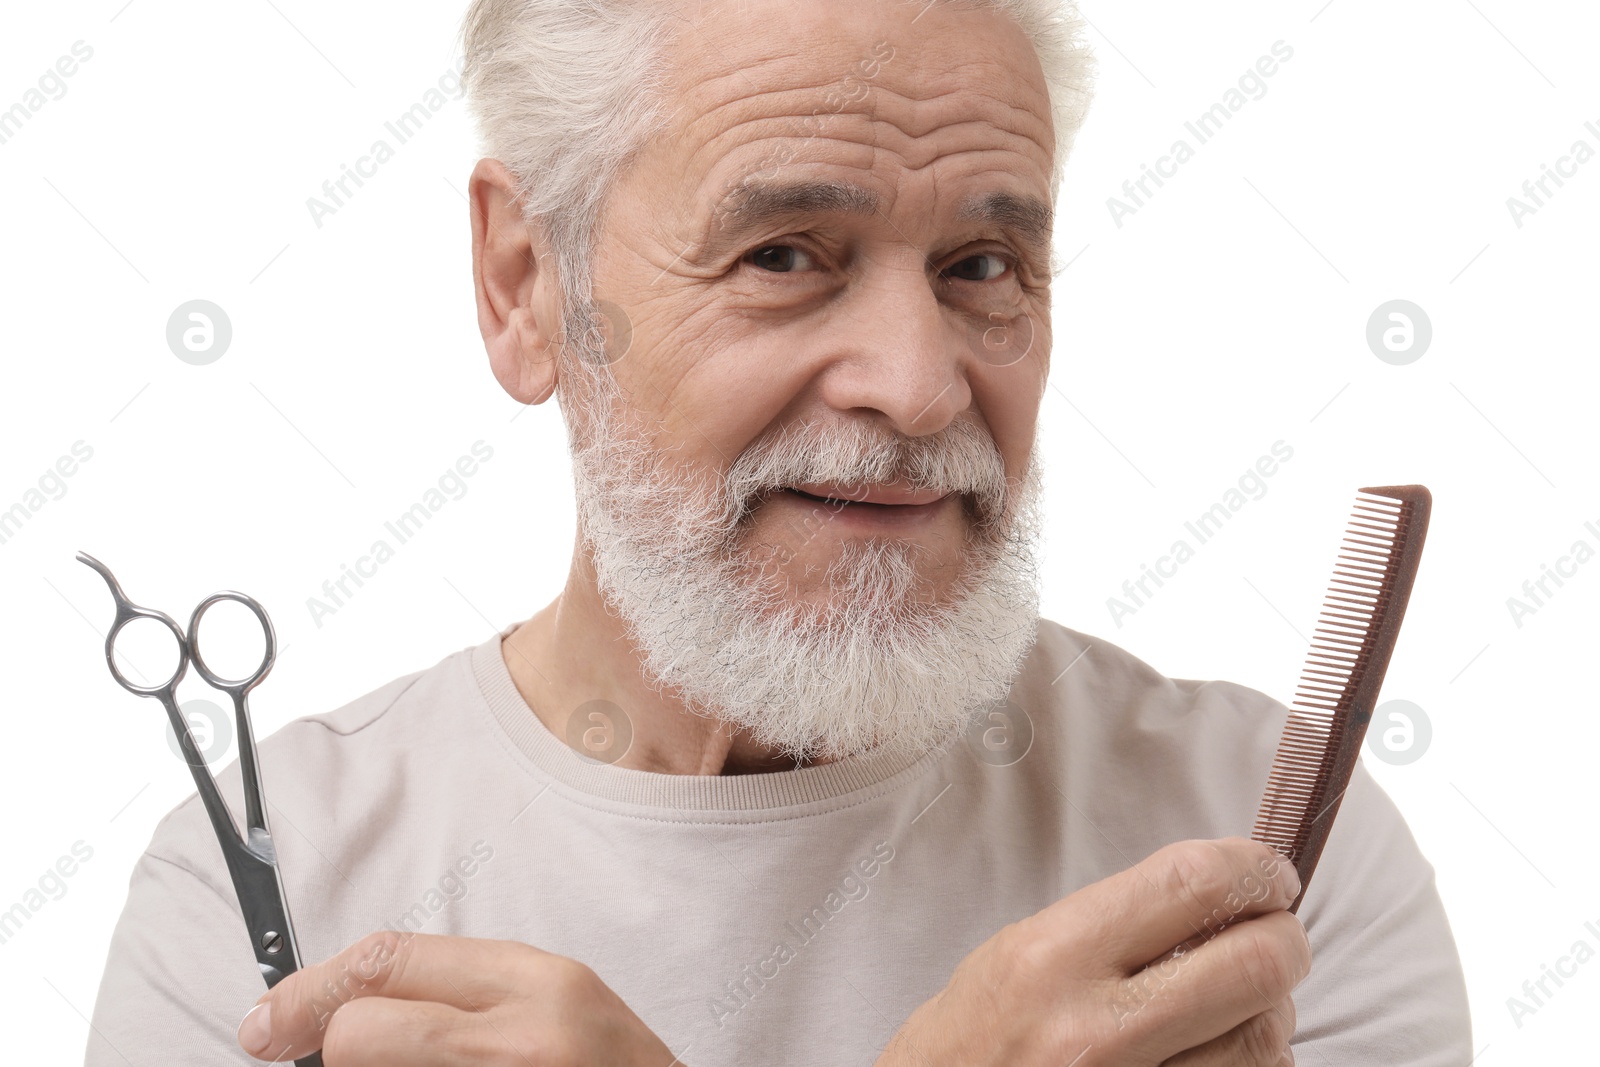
272,941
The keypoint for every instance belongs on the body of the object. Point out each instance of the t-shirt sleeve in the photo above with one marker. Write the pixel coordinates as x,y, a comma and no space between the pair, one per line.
179,974
1386,986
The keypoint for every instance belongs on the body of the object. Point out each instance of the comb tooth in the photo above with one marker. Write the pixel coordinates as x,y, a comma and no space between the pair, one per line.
1341,629
1368,551
1361,619
1358,581
1336,568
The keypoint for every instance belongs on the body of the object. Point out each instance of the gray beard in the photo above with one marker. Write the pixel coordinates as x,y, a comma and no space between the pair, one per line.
875,664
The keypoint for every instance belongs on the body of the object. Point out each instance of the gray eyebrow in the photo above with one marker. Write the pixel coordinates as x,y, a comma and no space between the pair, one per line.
757,202
1030,218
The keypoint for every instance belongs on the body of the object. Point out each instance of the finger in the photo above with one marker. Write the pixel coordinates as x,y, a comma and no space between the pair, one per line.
1260,1041
384,1032
1246,971
463,973
1185,890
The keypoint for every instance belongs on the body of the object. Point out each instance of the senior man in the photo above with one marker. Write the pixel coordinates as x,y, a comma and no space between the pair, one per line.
791,773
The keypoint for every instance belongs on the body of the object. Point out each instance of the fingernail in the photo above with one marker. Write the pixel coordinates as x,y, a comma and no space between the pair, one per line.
256,1029
1291,879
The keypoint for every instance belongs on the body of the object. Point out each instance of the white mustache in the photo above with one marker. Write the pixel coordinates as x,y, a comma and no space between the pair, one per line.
961,458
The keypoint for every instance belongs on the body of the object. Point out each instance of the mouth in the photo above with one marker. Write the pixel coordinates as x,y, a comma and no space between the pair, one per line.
866,509
892,495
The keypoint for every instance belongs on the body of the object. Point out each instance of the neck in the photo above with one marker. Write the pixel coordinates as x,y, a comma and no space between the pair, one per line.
575,651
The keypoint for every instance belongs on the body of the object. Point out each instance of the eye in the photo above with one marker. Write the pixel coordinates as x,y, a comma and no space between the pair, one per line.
965,269
780,259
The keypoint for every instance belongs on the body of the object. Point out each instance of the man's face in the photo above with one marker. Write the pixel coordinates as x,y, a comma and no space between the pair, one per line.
906,289
805,485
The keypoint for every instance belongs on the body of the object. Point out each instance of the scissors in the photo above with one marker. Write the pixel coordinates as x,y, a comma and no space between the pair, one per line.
252,860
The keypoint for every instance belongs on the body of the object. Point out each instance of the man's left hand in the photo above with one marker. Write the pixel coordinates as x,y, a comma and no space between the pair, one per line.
421,1000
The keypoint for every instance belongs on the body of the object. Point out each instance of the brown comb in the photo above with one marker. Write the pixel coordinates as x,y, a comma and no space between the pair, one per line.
1344,671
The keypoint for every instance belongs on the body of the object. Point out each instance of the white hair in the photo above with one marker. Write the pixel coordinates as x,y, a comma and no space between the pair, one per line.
566,92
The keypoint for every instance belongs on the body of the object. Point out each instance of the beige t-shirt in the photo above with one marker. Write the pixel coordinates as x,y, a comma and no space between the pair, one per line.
790,919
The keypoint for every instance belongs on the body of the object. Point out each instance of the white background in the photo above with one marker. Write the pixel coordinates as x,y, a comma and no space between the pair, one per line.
1227,314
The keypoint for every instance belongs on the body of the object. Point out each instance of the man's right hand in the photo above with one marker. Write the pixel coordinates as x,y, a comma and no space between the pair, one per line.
1076,983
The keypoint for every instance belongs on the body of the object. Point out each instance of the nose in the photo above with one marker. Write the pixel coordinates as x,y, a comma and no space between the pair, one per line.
901,353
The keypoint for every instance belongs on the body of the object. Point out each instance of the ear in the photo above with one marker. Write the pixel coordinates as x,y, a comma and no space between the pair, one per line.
516,286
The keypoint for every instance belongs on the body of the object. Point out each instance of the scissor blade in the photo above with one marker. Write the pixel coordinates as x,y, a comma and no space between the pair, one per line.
259,886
